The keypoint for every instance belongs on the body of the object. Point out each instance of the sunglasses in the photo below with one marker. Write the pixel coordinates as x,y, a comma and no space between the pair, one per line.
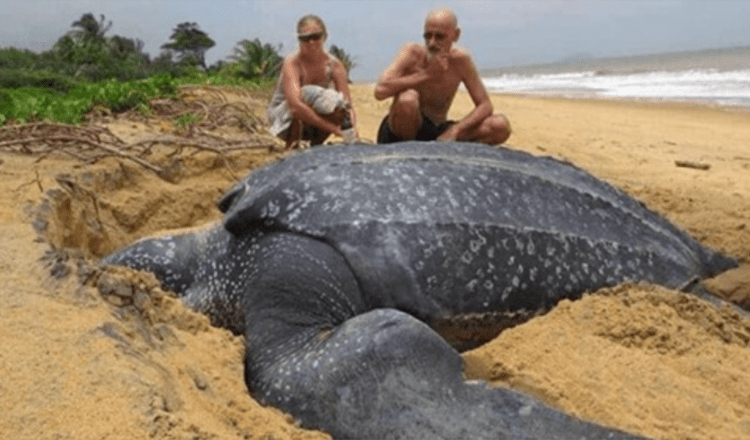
439,36
310,37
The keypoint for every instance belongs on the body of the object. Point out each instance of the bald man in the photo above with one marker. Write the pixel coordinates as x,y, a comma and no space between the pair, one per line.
423,80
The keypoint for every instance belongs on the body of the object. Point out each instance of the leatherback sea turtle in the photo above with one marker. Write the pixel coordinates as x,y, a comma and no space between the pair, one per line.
344,266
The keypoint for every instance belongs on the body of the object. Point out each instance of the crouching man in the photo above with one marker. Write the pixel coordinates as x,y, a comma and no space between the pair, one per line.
424,79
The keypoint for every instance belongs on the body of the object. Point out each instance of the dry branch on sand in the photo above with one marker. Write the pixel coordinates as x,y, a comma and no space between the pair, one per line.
90,143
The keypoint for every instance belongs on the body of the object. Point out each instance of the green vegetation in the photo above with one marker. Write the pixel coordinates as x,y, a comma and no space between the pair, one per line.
23,105
34,103
257,60
87,68
187,120
346,59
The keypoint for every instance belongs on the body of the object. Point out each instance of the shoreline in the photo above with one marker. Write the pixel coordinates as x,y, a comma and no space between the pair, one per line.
665,102
362,95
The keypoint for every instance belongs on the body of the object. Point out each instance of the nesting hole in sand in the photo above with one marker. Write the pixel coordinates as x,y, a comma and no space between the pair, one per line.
112,203
154,173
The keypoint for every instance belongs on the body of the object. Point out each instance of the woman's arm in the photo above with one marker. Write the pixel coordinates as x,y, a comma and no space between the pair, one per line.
293,94
341,82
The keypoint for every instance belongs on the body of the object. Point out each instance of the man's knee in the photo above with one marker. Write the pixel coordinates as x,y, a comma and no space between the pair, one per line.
498,128
406,102
405,117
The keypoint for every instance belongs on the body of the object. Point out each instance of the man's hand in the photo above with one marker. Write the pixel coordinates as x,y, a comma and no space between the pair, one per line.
449,135
437,65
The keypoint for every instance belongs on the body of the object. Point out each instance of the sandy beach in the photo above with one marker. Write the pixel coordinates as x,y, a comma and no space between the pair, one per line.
76,363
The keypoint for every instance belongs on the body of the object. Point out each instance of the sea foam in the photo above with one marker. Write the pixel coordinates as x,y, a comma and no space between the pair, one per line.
712,85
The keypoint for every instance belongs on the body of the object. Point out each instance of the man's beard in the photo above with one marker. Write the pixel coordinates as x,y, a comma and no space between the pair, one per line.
432,52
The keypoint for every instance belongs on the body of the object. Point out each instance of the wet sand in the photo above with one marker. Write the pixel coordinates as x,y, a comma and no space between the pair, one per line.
79,364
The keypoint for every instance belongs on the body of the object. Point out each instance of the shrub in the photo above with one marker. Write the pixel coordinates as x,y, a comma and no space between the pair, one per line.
31,103
18,78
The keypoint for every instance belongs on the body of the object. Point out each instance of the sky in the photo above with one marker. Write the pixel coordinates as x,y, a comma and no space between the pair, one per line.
500,33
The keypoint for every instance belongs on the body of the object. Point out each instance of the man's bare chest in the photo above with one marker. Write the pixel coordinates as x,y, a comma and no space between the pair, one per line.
439,92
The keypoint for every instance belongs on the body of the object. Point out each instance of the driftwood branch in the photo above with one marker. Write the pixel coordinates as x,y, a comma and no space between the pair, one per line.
693,165
92,143
55,140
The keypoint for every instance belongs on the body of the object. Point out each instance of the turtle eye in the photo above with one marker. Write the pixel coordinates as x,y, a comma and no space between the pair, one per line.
228,200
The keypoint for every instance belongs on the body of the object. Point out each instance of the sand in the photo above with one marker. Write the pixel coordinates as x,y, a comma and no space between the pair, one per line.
79,363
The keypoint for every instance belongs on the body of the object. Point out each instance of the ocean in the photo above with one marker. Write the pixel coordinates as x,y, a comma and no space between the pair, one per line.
716,77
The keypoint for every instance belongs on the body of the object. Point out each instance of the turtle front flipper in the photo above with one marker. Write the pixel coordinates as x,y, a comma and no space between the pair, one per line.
314,351
385,374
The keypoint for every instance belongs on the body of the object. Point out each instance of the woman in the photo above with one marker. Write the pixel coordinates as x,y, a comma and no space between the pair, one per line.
304,106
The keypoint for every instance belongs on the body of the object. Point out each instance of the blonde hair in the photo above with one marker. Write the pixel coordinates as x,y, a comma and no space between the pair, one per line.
312,18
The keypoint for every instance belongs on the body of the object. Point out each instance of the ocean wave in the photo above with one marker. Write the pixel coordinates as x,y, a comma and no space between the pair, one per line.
714,85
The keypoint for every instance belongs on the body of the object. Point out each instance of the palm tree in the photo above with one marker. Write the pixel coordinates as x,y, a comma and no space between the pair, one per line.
190,42
346,59
84,45
257,60
91,30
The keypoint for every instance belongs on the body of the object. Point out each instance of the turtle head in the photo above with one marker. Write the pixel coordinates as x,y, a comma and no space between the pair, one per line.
172,258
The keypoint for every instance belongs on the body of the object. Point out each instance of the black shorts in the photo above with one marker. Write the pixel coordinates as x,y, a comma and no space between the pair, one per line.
309,133
427,132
